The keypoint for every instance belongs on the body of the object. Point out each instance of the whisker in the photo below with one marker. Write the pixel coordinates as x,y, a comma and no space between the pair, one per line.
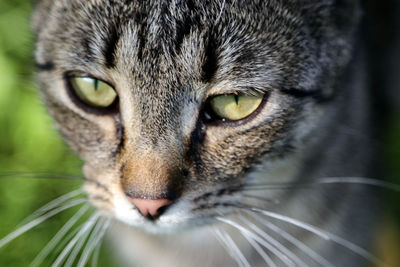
290,185
273,242
261,241
66,240
96,255
80,243
26,227
325,181
90,235
222,236
260,251
218,235
86,227
60,234
236,249
269,200
42,175
360,180
52,204
45,175
323,234
308,251
92,243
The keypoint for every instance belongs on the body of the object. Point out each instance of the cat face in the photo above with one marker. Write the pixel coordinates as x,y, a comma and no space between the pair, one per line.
141,91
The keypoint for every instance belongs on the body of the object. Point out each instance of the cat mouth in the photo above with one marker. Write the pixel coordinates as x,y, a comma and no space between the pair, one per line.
163,215
178,216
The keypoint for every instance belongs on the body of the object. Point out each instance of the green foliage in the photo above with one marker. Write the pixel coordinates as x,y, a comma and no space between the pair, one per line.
29,142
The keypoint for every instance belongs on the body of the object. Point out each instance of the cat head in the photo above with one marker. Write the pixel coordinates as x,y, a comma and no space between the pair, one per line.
175,106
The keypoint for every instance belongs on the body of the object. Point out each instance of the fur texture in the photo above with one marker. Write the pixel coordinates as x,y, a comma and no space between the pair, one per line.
165,60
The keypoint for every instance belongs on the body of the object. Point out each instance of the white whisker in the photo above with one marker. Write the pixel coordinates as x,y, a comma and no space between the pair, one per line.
26,227
359,180
97,227
68,238
323,234
52,204
92,243
96,255
260,251
295,222
261,241
86,227
326,181
60,234
80,243
274,242
311,253
222,237
236,249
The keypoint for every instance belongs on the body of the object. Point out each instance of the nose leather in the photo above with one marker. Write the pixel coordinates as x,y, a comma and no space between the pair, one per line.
149,206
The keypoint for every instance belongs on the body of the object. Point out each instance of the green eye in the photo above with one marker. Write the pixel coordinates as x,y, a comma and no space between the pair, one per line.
93,91
235,107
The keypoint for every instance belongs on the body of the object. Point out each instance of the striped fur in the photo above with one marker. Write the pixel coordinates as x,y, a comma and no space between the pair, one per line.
165,59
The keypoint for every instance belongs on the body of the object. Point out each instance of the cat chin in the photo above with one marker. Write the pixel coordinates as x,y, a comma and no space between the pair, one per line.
166,225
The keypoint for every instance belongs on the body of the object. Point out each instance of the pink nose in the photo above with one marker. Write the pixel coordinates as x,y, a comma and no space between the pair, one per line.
149,206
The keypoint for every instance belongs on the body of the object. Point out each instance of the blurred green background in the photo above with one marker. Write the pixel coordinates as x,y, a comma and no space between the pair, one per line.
30,143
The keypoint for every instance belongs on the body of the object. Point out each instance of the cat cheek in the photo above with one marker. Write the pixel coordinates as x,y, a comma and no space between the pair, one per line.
104,190
229,158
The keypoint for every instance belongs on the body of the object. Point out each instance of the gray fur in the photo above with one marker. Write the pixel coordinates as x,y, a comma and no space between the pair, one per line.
164,60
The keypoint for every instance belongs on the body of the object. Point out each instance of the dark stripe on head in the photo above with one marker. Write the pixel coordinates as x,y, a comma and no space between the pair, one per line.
87,54
141,20
181,32
47,66
191,20
210,63
110,47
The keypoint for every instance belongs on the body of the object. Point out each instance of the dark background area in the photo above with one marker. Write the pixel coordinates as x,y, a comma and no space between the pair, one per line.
30,143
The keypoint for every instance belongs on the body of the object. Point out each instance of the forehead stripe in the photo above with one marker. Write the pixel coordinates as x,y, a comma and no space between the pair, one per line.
110,47
47,66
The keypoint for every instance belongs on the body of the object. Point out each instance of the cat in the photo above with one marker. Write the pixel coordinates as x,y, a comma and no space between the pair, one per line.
216,133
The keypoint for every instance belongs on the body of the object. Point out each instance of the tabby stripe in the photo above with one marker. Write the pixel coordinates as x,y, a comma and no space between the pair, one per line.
47,66
210,64
110,47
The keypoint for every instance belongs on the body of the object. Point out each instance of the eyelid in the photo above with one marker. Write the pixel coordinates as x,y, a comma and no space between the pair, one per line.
84,74
79,74
227,88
